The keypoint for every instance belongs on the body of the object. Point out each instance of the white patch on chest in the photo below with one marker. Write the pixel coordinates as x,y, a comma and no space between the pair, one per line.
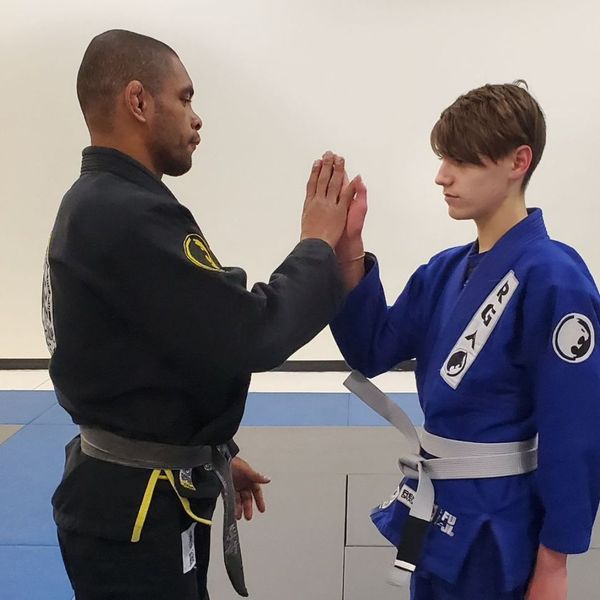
476,334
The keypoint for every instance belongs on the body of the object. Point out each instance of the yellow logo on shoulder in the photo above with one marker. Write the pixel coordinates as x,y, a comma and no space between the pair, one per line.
198,253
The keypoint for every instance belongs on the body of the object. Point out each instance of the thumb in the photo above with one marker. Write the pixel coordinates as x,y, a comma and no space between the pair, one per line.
348,193
361,189
259,477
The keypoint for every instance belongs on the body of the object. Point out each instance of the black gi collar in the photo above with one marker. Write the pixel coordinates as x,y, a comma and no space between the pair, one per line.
98,159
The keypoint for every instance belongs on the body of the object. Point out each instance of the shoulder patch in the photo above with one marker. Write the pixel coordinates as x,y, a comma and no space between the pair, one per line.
198,252
574,338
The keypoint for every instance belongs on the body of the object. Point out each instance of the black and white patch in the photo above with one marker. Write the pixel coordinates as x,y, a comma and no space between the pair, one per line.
474,337
48,309
456,363
574,338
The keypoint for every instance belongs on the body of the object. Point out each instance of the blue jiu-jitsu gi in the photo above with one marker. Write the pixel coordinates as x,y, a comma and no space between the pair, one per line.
509,355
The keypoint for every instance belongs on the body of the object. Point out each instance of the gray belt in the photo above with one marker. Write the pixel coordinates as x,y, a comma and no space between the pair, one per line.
456,459
109,447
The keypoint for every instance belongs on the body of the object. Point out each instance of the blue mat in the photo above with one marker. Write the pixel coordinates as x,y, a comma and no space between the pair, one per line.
301,409
361,415
33,573
269,409
55,415
31,464
21,407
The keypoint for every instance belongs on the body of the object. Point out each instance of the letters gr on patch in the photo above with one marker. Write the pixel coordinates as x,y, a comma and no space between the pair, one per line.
198,252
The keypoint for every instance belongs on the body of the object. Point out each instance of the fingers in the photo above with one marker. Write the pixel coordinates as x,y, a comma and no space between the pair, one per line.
325,174
337,179
259,499
247,504
247,500
238,506
243,505
361,189
311,184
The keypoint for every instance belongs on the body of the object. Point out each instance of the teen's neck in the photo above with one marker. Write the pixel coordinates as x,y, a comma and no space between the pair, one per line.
491,228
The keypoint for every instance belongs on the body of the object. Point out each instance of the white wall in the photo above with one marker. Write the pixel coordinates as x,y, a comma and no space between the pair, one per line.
279,82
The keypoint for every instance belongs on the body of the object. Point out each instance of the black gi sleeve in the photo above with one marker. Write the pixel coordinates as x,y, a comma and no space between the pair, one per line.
176,295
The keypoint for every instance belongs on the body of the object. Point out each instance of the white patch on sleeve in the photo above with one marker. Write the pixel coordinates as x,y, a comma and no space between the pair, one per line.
574,338
48,308
188,548
478,331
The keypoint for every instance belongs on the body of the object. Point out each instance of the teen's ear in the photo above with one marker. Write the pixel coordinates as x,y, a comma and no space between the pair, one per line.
522,158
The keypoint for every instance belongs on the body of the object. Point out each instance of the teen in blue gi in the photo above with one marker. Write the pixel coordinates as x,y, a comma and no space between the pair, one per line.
504,333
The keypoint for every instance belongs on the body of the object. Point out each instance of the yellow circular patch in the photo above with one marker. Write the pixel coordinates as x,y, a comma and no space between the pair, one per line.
198,252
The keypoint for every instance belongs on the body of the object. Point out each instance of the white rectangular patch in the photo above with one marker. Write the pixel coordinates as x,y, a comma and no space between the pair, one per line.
477,332
406,495
188,548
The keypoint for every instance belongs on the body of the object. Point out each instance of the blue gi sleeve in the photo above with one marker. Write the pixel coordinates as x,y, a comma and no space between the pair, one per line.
373,337
563,312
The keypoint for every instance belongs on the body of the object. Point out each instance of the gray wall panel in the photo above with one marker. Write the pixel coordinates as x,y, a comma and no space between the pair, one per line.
296,549
366,572
365,491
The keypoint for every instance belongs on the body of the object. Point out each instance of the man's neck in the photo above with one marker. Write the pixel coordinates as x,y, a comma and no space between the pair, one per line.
491,228
127,146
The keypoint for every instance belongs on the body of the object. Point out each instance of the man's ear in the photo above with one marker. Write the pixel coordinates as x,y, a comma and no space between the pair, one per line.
522,158
137,101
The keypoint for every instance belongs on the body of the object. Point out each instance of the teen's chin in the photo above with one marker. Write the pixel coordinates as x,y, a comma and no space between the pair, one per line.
459,213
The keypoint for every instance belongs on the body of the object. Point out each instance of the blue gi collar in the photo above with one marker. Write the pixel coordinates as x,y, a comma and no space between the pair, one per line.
462,302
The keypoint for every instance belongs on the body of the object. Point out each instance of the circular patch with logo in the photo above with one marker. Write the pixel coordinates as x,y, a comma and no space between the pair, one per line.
197,252
456,363
573,339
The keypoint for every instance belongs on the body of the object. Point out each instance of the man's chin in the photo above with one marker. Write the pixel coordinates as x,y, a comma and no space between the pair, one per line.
175,170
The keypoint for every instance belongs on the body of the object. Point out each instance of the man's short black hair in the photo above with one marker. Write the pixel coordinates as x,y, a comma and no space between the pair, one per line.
111,61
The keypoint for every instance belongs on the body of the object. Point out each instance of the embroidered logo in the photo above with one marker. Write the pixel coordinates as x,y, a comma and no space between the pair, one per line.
478,331
185,479
198,252
47,308
456,363
573,339
446,522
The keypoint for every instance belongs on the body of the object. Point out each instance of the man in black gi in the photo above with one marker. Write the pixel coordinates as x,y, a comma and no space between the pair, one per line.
152,341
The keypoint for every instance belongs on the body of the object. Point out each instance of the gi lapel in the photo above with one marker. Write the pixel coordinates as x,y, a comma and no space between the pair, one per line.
481,303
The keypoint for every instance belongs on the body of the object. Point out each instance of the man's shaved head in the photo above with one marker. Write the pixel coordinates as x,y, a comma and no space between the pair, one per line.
111,61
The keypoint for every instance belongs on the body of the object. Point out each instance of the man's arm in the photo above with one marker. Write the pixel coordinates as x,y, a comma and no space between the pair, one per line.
202,316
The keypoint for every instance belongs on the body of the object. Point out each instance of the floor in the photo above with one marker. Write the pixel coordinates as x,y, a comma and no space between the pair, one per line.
330,460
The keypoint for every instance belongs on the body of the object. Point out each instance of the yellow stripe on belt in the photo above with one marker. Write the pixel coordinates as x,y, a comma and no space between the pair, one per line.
147,499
